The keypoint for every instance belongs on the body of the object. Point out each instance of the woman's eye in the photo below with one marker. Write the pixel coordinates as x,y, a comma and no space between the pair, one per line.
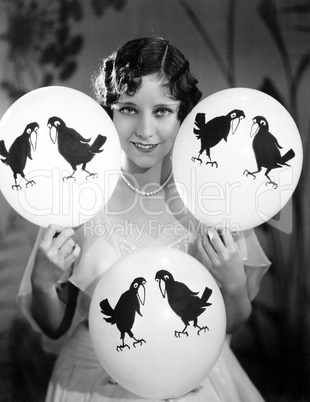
162,112
127,110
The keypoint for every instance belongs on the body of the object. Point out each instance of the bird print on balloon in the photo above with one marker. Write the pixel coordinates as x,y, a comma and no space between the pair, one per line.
267,150
124,313
214,131
72,146
266,147
19,153
185,303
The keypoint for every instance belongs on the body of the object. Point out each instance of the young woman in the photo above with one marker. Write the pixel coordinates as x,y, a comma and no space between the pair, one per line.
147,88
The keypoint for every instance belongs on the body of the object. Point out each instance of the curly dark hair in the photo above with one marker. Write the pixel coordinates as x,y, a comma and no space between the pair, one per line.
122,72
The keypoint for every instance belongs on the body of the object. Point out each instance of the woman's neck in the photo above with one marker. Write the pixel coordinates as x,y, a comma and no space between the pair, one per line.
156,174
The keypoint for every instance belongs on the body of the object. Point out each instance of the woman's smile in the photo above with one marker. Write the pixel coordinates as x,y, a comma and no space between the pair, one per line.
144,147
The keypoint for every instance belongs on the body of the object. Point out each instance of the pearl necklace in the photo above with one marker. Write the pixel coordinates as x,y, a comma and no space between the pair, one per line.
146,193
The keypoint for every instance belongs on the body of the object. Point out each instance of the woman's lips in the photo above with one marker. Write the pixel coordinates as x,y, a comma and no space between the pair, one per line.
144,147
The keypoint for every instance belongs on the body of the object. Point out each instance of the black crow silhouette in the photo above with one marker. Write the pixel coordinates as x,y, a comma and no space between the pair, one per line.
266,150
73,147
183,301
20,150
212,132
123,314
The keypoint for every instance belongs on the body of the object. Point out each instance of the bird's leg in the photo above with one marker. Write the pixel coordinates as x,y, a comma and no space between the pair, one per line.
211,162
122,346
194,158
246,172
178,334
201,329
70,177
32,182
16,186
273,183
197,158
95,175
138,341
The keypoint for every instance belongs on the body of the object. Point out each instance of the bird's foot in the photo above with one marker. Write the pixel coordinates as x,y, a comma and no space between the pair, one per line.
202,329
246,172
178,334
94,175
121,347
274,184
16,187
68,178
32,182
139,342
196,159
212,163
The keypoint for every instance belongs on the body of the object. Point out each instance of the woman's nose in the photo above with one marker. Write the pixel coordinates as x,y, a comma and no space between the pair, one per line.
146,127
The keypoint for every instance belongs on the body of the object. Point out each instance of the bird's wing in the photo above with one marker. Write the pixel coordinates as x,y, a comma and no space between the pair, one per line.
215,130
181,290
74,134
276,142
28,150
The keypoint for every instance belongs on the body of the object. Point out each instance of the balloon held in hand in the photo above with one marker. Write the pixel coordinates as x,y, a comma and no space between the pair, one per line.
157,322
61,156
237,159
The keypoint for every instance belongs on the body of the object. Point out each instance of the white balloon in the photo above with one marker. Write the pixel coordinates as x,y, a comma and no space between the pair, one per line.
221,170
142,341
47,134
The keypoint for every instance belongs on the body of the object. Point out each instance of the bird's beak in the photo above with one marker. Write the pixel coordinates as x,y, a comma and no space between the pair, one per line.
235,124
254,129
141,294
53,133
34,139
162,287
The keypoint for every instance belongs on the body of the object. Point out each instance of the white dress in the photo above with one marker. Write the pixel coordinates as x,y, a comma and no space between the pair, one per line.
78,376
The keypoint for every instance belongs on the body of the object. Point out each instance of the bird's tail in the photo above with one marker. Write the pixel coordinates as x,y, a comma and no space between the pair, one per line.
3,152
97,144
288,156
205,296
200,121
106,309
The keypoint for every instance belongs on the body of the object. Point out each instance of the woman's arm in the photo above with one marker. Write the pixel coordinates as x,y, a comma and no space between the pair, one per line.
220,254
53,306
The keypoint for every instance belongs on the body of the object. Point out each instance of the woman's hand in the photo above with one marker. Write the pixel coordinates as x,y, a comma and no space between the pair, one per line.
220,255
56,253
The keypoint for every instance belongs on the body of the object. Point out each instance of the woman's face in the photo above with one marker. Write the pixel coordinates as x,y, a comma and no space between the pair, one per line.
146,123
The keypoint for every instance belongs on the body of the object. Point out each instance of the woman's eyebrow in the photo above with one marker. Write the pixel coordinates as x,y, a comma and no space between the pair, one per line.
168,104
124,102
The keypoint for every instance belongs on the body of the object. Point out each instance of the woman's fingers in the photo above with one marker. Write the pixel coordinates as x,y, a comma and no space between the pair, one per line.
59,247
70,258
210,245
55,237
51,232
66,248
217,246
62,238
203,251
